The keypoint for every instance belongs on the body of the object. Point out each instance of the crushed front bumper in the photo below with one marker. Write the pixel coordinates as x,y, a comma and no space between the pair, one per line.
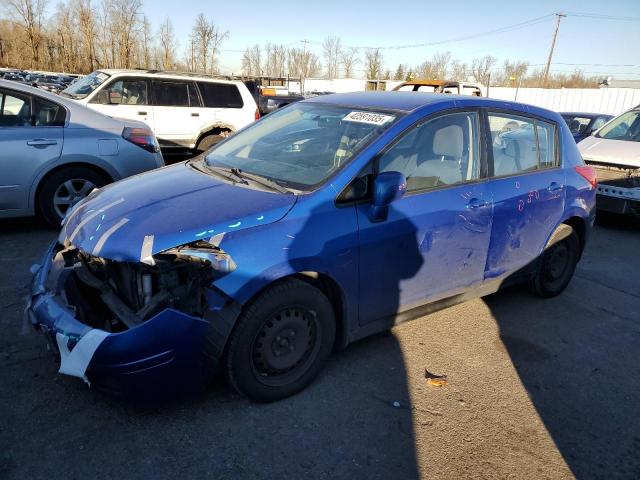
160,357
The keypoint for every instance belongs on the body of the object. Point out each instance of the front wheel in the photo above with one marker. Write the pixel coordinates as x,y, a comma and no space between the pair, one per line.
281,341
557,263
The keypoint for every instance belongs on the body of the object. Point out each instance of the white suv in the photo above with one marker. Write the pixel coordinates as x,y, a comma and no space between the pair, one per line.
184,110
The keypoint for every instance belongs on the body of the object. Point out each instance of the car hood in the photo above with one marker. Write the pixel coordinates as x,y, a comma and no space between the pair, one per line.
146,214
614,152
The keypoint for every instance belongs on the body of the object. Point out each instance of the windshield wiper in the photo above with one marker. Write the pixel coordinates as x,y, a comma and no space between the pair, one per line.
267,182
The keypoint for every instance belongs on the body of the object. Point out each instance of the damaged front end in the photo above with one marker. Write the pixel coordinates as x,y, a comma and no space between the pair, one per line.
133,328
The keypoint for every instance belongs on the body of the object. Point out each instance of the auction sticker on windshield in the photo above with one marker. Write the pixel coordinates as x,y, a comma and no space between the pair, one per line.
371,118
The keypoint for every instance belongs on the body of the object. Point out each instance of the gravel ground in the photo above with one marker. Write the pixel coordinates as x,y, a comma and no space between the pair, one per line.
536,389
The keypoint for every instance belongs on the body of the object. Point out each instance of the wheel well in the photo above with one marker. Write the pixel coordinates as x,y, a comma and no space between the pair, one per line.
64,166
213,131
332,290
579,226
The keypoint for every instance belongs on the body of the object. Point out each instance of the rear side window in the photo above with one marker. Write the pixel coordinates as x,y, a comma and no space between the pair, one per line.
171,93
220,95
521,144
47,114
18,110
15,110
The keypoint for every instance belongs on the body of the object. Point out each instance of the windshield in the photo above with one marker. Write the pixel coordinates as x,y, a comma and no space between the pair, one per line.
84,86
624,127
302,145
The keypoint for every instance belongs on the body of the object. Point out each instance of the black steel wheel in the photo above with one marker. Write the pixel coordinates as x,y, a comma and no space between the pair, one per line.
281,341
557,263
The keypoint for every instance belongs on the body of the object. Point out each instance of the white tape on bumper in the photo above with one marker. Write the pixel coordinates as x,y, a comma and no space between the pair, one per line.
76,361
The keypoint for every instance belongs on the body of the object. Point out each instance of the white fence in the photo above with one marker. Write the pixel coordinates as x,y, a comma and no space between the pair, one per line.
597,100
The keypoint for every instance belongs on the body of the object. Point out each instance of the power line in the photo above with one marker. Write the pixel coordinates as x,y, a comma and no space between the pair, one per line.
603,17
515,26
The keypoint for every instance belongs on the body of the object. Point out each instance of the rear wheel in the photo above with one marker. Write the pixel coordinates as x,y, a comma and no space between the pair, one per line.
209,141
63,189
281,342
557,263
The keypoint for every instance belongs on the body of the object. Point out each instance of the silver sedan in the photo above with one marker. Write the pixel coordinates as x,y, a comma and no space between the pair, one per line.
54,152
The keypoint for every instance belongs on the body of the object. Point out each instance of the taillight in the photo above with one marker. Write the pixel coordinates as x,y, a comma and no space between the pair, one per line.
589,174
142,137
257,114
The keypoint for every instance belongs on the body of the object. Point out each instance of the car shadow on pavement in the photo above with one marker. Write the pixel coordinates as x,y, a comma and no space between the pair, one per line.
577,357
354,421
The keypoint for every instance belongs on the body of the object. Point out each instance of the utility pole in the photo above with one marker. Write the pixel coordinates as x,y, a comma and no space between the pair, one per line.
553,45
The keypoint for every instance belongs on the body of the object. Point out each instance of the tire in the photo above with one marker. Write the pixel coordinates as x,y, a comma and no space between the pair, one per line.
265,359
557,263
78,182
209,141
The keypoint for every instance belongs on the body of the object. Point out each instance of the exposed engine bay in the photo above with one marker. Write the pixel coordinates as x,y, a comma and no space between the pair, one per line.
116,296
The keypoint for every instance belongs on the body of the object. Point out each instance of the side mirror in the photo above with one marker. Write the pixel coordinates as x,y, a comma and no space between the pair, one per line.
387,188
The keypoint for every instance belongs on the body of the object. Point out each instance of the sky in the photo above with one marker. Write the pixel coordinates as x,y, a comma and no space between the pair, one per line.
602,46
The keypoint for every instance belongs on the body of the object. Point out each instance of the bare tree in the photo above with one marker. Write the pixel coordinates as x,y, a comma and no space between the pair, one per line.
167,45
458,70
440,62
29,15
332,48
303,64
513,73
207,39
87,24
147,39
373,63
481,68
275,60
252,61
349,59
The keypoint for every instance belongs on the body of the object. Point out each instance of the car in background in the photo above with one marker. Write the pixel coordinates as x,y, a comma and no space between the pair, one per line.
54,152
442,86
186,111
50,83
326,221
614,151
14,77
583,124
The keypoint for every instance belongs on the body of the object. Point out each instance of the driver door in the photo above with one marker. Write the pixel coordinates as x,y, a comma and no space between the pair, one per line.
435,239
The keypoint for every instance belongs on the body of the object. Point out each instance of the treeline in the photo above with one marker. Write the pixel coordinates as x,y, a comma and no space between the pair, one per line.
349,62
80,36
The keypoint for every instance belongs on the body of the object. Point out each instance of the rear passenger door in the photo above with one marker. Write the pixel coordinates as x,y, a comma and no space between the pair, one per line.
31,136
528,189
176,112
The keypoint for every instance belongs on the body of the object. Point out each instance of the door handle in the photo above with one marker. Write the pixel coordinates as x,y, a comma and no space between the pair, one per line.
555,187
194,114
475,203
41,142
142,113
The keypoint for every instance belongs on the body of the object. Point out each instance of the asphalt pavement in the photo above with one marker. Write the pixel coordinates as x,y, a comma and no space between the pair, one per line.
535,389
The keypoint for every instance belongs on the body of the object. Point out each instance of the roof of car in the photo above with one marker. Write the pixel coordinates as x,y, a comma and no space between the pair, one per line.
586,114
168,74
410,101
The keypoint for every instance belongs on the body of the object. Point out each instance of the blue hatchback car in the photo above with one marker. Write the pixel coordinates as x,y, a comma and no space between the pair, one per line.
327,221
